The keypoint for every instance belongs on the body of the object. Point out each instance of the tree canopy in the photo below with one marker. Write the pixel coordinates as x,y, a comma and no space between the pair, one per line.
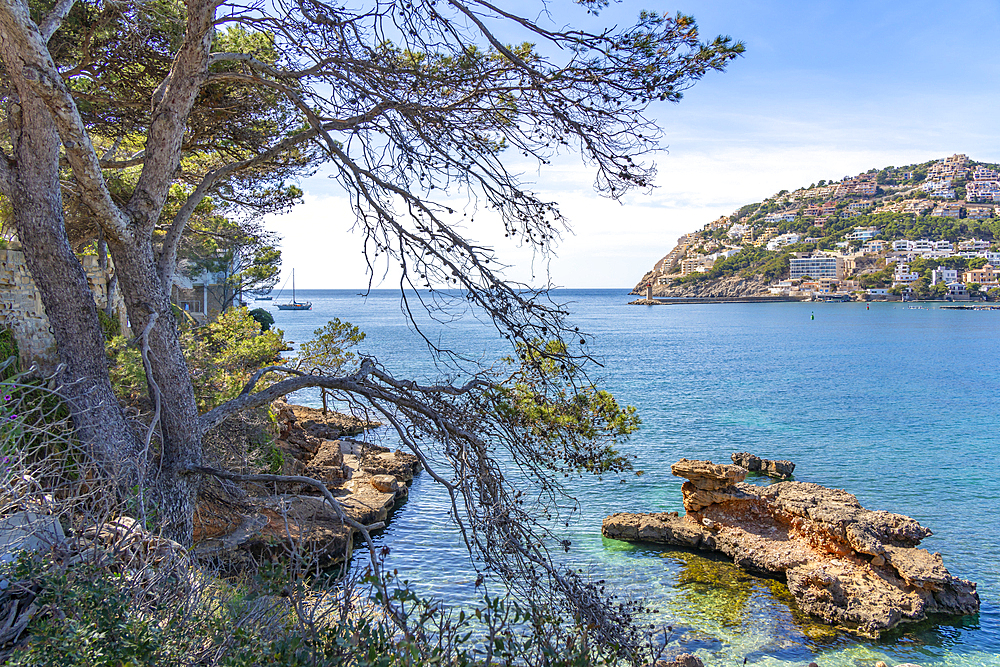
134,119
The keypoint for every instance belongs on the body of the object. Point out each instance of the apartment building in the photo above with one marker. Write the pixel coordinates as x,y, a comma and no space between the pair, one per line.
987,276
816,267
902,275
938,188
945,275
783,240
981,173
983,191
780,216
948,210
979,211
974,245
824,209
696,264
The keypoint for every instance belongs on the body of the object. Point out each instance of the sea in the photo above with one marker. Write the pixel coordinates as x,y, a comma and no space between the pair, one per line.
895,402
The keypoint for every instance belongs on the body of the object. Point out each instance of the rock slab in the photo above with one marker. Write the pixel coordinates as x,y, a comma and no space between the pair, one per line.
781,469
854,568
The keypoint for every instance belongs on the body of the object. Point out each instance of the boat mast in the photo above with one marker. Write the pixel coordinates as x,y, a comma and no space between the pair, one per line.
293,286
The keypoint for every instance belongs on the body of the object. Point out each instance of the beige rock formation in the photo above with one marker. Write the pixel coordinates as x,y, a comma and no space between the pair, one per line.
852,567
291,519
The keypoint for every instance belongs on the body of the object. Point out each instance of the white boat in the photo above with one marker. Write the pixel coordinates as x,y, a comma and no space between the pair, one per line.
293,304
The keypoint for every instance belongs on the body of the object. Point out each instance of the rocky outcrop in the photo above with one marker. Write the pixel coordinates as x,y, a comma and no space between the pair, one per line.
238,527
720,288
852,567
780,469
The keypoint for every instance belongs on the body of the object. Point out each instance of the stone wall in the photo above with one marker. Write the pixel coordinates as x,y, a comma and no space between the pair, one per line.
22,312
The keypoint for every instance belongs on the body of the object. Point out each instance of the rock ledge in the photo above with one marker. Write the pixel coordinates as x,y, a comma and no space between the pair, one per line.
852,567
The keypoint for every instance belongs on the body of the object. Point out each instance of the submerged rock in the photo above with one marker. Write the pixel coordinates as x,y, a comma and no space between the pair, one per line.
683,660
781,469
852,567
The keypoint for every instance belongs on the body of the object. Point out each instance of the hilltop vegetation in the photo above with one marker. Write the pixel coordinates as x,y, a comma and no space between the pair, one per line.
948,200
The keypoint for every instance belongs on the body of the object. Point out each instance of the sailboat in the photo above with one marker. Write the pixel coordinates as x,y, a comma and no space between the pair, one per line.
293,304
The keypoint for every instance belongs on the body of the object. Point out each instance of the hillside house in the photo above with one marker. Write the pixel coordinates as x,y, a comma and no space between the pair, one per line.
987,276
948,210
974,245
202,296
942,274
863,234
979,211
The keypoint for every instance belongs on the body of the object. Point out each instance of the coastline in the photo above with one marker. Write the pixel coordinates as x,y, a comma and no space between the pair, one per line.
672,301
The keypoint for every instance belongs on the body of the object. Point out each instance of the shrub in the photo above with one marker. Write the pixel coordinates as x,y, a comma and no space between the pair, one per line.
224,354
263,317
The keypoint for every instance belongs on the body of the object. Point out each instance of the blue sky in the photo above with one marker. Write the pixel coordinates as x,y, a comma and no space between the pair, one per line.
825,90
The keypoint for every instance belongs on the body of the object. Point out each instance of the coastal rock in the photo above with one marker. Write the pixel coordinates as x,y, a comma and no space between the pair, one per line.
385,483
28,531
381,461
709,483
722,288
852,567
237,530
781,469
331,425
682,660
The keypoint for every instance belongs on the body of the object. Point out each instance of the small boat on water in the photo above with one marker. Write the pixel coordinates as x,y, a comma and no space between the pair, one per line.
294,304
262,298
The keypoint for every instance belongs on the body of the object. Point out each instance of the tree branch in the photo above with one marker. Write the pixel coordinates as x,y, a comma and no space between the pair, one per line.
55,18
40,74
168,254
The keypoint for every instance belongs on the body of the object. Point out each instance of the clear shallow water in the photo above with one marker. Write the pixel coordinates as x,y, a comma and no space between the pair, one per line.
897,405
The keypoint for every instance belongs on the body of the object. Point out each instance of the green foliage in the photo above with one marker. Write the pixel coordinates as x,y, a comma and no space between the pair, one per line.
326,352
128,378
562,418
93,616
223,354
263,317
94,626
110,325
879,279
8,349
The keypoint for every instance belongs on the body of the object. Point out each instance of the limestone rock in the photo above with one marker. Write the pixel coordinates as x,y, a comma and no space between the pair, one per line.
385,483
303,527
728,287
28,531
297,522
855,568
380,461
707,475
682,660
330,426
708,483
781,469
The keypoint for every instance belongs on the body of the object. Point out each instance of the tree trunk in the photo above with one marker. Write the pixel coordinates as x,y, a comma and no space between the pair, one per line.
174,489
38,217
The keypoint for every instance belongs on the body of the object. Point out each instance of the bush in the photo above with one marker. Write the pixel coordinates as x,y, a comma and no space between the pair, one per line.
8,349
265,318
224,354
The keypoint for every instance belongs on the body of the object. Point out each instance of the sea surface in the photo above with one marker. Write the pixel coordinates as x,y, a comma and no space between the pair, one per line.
896,403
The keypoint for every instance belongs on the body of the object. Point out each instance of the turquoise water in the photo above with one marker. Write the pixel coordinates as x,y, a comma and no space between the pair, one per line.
895,404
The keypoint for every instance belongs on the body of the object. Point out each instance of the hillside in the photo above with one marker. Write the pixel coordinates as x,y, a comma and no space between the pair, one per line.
882,230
